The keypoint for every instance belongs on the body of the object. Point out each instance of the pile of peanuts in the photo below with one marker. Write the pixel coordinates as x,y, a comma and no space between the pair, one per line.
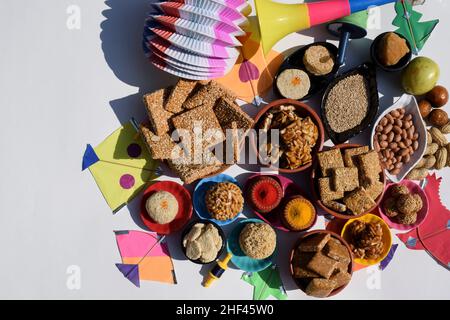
396,140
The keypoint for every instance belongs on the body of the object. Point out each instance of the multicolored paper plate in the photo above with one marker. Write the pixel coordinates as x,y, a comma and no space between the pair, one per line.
184,207
199,197
239,258
387,238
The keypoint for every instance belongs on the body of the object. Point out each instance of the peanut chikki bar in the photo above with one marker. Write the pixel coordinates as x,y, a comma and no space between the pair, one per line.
326,191
345,179
329,160
369,166
207,95
192,172
158,116
228,112
160,147
374,189
349,155
179,94
358,201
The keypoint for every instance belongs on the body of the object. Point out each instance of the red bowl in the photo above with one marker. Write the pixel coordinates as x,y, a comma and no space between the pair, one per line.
315,189
303,110
184,207
303,237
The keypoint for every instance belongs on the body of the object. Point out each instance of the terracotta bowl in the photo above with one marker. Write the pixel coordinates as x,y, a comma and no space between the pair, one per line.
302,286
315,189
303,110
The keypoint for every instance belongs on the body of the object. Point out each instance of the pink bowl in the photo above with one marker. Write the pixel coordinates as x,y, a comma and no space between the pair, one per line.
421,215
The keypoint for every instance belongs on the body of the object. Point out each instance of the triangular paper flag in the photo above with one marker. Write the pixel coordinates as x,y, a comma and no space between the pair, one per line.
131,272
89,157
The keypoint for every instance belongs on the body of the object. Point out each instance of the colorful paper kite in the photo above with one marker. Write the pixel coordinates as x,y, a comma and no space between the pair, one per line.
266,283
253,74
433,235
409,25
120,165
145,256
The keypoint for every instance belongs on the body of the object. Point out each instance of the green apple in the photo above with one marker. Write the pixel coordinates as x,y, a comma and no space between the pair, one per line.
420,76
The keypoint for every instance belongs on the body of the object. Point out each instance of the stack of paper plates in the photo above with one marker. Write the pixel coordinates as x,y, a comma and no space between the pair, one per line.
195,39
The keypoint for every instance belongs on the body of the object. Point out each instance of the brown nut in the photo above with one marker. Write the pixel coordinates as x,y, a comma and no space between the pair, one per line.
387,128
438,96
397,138
395,113
425,108
379,128
390,137
395,172
383,144
438,117
415,145
383,137
397,129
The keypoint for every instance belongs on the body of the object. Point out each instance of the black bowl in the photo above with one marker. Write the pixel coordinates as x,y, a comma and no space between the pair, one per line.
368,71
295,61
395,68
189,227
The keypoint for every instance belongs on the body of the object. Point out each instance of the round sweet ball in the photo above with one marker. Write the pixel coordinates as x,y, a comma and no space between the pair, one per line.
409,204
258,240
162,207
399,190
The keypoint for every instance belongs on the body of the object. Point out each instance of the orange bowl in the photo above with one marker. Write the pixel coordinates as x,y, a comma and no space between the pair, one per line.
315,189
303,110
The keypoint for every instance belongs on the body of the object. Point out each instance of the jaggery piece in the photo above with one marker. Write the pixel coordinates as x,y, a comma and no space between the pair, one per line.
160,147
349,154
345,179
337,251
158,116
314,242
320,288
300,260
342,266
178,95
207,95
391,49
358,201
375,189
228,112
341,278
369,166
329,160
326,191
322,265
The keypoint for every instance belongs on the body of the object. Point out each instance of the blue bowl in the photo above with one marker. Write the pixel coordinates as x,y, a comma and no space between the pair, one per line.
199,197
239,258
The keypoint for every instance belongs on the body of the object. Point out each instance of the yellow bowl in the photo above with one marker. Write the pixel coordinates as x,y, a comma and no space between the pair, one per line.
387,238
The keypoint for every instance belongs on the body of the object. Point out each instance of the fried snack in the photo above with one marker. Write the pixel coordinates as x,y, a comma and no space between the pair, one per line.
326,192
322,265
337,251
349,154
158,116
358,201
391,49
320,288
341,278
330,160
258,240
178,95
314,243
345,179
369,166
335,206
375,189
224,200
160,147
318,60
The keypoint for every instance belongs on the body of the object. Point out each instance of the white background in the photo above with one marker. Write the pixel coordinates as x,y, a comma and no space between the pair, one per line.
61,89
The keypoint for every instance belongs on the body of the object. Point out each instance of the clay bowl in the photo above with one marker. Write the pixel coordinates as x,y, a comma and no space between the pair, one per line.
303,110
315,174
302,286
